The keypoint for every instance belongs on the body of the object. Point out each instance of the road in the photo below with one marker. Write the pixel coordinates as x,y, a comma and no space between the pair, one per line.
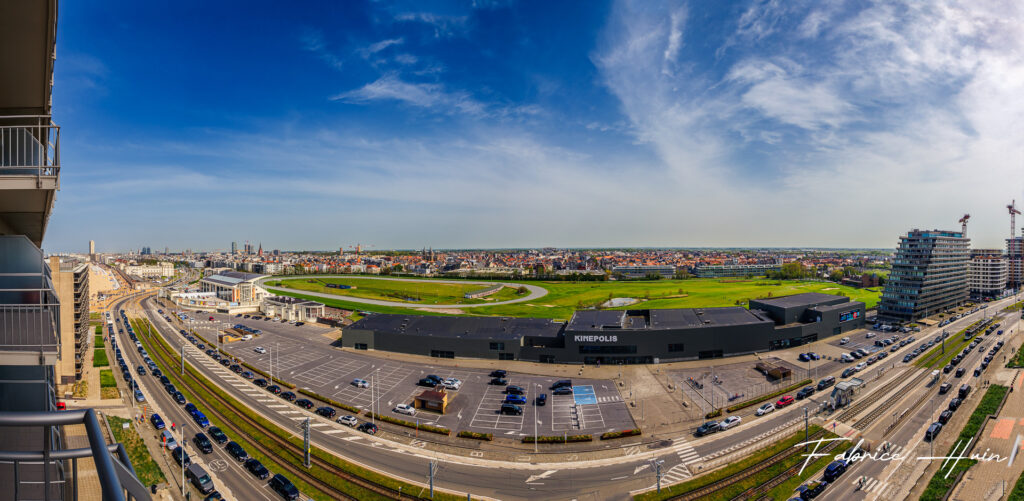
535,292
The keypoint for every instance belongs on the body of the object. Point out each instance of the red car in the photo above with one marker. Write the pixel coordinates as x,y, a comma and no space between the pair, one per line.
784,401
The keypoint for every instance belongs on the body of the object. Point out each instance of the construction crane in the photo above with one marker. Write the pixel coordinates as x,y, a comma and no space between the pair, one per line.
963,221
1012,208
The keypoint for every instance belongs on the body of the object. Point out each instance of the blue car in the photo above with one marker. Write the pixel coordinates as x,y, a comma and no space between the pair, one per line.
200,419
139,397
515,399
157,421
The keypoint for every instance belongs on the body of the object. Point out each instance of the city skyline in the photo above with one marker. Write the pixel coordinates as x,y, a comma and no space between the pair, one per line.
497,125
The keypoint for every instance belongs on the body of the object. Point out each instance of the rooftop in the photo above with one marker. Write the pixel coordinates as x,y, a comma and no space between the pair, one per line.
805,299
596,320
292,300
231,278
460,327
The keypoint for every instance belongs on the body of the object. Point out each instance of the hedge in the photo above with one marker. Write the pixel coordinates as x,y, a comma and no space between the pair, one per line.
1017,360
474,435
621,434
411,424
941,483
762,398
713,414
559,439
1017,494
335,403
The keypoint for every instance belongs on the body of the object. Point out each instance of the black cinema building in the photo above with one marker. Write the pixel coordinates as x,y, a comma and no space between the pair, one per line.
615,336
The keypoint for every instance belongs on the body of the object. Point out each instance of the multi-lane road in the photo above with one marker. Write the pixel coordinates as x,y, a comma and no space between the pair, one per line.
608,478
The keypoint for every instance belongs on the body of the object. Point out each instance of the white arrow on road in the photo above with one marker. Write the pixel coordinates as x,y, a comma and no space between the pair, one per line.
534,478
641,468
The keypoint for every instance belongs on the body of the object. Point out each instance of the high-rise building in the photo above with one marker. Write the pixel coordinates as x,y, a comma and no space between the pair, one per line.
92,247
146,251
234,247
30,311
71,281
929,275
989,273
1015,262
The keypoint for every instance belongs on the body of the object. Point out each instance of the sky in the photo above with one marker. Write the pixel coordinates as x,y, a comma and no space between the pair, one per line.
496,124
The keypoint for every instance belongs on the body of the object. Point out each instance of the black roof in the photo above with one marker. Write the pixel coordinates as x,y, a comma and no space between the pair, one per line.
804,299
460,327
682,318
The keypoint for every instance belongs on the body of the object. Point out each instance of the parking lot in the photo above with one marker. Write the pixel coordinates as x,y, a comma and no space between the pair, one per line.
304,356
738,381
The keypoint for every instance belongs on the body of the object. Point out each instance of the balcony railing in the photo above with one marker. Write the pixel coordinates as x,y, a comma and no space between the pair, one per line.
29,149
117,478
29,308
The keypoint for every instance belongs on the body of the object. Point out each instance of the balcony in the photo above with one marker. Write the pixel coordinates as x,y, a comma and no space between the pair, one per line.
29,308
29,174
36,469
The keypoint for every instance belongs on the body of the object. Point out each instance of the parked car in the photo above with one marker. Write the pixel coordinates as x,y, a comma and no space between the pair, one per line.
955,404
826,382
499,373
805,392
284,487
945,387
157,421
217,435
262,383
305,403
784,401
514,390
181,457
202,443
327,412
515,399
834,470
405,409
499,381
945,416
813,490
275,389
965,390
256,468
360,383
541,399
348,420
236,451
765,409
368,428
511,409
708,428
179,397
960,372
730,422
288,396
932,431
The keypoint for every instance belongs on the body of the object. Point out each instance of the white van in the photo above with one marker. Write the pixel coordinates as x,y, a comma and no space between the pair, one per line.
844,340
845,357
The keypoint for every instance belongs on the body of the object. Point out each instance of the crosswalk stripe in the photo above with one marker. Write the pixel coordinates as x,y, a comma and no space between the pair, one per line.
331,432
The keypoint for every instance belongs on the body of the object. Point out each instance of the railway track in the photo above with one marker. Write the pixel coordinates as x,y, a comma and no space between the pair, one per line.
291,451
714,487
780,478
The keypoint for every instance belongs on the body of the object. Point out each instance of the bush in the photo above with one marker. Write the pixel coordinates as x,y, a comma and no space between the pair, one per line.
713,414
762,398
621,434
411,424
99,358
474,435
558,439
335,403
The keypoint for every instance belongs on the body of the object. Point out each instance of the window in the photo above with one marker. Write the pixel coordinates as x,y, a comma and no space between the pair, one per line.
360,346
498,346
585,348
675,347
506,356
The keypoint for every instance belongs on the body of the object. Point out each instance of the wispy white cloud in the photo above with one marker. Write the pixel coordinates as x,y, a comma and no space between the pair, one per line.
423,95
313,41
444,26
376,47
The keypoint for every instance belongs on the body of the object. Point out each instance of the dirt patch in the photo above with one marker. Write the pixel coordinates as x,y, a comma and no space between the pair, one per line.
450,311
107,393
674,296
830,288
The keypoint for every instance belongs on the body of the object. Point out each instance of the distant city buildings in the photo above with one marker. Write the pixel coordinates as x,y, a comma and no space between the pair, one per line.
989,273
645,271
929,274
234,247
161,269
734,270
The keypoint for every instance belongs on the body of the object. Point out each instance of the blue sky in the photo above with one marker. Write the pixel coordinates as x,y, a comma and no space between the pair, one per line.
519,124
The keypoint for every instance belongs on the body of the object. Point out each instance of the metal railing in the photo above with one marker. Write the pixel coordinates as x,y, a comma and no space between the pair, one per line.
29,148
117,478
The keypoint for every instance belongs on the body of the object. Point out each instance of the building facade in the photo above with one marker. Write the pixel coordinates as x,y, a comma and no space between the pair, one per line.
161,269
1015,262
292,309
645,271
929,275
238,288
71,281
615,336
989,273
734,270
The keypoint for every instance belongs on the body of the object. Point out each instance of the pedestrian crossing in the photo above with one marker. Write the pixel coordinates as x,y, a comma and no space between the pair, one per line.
675,474
687,455
871,485
609,399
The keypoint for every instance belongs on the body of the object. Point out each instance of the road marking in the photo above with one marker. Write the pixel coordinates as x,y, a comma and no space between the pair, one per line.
640,468
546,474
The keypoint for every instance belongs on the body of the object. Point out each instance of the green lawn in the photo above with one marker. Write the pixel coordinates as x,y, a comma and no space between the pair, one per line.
107,379
565,297
415,292
99,358
98,341
147,471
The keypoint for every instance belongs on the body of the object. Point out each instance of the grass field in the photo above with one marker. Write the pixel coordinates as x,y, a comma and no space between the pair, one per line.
565,297
99,358
146,469
415,292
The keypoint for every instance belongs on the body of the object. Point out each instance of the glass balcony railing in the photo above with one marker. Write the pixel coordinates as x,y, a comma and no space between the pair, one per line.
29,308
29,146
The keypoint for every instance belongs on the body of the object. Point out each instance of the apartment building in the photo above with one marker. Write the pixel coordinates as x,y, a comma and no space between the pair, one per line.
161,269
734,270
1015,261
71,282
32,432
929,274
989,273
